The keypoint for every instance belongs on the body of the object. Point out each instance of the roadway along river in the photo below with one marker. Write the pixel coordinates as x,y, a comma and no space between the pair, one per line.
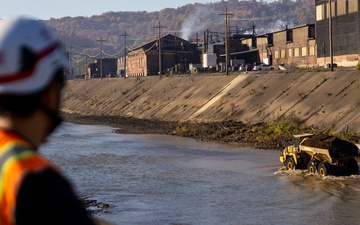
165,180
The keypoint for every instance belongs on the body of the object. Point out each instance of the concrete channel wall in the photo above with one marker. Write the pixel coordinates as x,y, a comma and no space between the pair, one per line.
321,99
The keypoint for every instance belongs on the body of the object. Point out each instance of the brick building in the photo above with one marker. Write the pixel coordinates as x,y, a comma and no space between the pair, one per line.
295,46
176,54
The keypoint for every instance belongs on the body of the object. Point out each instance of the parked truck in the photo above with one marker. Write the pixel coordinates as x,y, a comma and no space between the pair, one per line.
322,154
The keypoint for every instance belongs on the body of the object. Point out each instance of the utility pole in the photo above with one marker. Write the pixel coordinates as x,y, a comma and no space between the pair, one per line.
125,35
330,38
227,39
71,71
101,56
86,60
197,39
159,43
206,40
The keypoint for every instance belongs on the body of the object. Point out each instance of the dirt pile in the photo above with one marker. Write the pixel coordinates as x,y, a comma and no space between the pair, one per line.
337,147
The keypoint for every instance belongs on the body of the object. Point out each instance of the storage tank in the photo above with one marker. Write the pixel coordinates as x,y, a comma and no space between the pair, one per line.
209,60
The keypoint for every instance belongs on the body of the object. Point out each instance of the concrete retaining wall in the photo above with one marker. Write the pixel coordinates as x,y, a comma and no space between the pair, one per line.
322,99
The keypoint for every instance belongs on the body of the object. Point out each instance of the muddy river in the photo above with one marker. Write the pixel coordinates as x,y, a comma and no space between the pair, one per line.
166,180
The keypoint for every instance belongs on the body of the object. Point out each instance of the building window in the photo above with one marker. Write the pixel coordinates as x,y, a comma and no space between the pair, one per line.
290,52
296,52
353,6
141,63
283,54
311,50
304,51
320,12
332,9
277,54
341,7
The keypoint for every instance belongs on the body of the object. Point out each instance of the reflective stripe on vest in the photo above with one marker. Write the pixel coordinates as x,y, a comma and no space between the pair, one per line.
16,160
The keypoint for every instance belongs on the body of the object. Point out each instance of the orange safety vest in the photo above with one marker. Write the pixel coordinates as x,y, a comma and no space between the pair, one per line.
17,159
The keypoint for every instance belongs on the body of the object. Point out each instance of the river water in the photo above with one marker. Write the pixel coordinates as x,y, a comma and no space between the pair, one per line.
166,180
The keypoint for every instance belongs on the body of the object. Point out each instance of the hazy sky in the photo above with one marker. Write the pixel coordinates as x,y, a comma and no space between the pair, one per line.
46,9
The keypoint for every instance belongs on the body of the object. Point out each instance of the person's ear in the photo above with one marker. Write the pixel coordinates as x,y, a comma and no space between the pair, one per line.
51,96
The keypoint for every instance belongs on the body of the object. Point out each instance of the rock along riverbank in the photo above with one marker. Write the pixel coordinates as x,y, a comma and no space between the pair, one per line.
265,109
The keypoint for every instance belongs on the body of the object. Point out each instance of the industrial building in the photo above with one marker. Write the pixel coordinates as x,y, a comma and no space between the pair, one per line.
306,46
102,67
339,36
175,56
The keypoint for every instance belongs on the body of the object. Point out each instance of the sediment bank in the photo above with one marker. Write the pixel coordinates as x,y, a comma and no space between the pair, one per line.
262,135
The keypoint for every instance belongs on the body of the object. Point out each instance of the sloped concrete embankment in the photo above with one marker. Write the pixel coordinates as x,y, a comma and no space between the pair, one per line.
321,99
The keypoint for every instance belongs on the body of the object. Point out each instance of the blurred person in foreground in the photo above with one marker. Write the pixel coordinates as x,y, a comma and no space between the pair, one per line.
32,191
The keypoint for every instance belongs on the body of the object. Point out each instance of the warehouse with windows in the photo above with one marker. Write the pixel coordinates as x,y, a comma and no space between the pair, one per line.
342,30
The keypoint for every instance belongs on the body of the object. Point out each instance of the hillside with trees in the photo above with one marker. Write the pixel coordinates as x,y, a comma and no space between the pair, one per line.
187,22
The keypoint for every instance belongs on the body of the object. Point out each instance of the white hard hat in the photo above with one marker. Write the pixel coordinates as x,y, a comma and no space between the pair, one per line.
30,55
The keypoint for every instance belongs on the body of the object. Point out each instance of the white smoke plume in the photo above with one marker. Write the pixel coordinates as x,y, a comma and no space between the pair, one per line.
278,25
195,22
281,25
